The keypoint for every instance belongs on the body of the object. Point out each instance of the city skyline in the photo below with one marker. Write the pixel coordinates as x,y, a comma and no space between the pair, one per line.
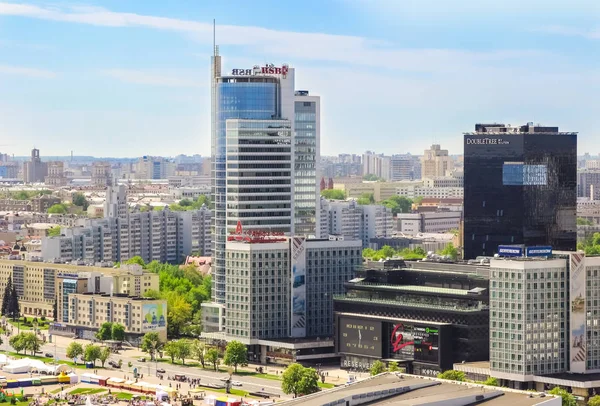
129,74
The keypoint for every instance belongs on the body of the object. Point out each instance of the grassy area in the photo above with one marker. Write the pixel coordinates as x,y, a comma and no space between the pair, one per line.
326,385
232,391
86,391
123,395
42,325
258,375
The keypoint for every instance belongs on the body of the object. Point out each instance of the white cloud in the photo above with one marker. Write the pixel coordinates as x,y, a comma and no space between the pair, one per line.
290,45
570,31
151,78
29,72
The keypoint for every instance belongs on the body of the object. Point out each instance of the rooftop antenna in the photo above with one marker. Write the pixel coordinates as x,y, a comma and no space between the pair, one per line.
214,37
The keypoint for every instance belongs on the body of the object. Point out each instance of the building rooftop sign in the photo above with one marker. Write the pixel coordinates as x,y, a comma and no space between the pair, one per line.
268,69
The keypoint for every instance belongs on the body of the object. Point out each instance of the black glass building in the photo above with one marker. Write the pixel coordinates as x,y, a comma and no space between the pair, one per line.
520,188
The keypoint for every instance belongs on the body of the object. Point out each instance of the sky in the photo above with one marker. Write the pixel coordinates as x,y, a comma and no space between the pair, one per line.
126,78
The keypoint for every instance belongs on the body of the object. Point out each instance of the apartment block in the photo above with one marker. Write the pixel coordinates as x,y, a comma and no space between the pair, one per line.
428,222
355,221
38,284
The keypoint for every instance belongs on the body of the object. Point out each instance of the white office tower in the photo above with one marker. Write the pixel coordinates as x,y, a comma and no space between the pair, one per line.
259,175
306,160
115,204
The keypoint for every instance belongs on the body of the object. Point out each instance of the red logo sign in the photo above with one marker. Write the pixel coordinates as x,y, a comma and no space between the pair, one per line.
268,69
238,228
397,337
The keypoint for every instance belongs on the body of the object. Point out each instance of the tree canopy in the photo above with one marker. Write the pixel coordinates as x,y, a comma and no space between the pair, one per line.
567,398
370,177
236,354
453,375
388,252
333,194
377,368
74,350
449,250
366,198
80,200
59,208
594,401
187,204
398,204
584,222
591,246
54,231
10,301
151,343
298,380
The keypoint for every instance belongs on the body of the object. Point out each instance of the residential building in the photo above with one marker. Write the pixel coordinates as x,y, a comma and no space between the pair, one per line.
520,188
415,190
35,170
101,174
307,136
376,164
152,167
88,311
9,170
355,221
435,162
37,283
588,183
428,222
456,181
423,315
42,203
354,188
56,174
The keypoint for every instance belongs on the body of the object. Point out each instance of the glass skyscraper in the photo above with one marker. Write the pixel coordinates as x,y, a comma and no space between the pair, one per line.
520,188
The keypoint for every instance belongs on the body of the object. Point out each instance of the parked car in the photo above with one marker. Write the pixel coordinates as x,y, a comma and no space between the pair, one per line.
160,370
142,359
49,355
236,383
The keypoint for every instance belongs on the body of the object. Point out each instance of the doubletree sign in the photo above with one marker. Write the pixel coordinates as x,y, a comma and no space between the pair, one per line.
268,69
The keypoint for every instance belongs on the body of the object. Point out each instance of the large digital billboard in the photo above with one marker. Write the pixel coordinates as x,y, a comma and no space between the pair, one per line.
578,338
298,287
419,342
360,337
154,316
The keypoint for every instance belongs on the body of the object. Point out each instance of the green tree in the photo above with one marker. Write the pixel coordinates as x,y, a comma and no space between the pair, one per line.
105,331
290,379
23,195
136,260
184,350
377,368
393,367
179,312
387,251
417,200
117,332
212,357
92,353
594,401
18,343
449,250
236,354
199,351
491,381
567,398
104,354
14,309
151,344
32,342
172,350
584,222
452,375
366,198
74,350
333,194
59,208
309,381
370,177
398,204
6,298
53,232
80,200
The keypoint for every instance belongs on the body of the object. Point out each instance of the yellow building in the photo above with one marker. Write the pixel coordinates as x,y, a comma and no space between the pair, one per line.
37,287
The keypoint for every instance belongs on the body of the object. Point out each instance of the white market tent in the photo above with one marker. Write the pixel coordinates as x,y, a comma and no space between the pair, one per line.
25,365
3,359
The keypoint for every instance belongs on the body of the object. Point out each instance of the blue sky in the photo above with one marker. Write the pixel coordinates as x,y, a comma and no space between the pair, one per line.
131,77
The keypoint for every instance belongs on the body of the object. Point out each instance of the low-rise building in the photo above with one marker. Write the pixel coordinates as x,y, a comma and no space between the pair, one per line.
36,282
428,222
41,204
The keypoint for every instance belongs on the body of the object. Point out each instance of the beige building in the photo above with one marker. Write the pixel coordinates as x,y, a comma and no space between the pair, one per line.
435,162
381,190
37,282
56,174
101,174
87,312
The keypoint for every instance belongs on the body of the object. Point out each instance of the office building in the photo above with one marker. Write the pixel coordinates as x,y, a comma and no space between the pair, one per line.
376,164
404,167
152,167
588,183
428,222
36,283
307,114
35,170
262,97
259,177
520,188
355,221
423,315
279,287
435,162
9,170
56,174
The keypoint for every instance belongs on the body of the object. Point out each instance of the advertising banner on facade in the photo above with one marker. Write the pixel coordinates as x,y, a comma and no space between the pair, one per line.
154,317
578,350
544,251
298,288
510,251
